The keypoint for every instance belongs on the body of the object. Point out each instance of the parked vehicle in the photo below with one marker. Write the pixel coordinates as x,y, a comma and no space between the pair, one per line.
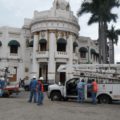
10,89
108,87
107,91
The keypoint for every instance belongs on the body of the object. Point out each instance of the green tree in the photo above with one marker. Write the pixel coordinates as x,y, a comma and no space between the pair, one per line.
112,35
100,13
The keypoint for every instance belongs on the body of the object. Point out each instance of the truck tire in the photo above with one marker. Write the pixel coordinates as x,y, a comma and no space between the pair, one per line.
104,99
55,96
6,95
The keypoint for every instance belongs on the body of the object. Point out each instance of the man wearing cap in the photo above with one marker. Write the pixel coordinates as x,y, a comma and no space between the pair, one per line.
32,86
40,91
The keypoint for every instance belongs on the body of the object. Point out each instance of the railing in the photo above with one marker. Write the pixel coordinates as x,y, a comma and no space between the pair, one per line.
83,60
42,54
59,54
75,57
14,56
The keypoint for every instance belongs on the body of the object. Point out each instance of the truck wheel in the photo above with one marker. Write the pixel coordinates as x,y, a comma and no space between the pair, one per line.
6,95
104,99
65,99
55,96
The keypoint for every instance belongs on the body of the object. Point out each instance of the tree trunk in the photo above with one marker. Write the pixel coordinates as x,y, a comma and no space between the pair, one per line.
105,38
111,51
103,42
99,43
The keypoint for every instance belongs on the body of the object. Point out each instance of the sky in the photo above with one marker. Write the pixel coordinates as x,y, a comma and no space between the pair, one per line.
13,12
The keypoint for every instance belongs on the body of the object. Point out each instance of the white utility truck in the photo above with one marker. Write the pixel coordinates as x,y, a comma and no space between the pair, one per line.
106,75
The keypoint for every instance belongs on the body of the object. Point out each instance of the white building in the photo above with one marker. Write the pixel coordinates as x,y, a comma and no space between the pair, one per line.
44,42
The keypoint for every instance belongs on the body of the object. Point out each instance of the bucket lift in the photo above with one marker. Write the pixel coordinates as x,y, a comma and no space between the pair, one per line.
93,70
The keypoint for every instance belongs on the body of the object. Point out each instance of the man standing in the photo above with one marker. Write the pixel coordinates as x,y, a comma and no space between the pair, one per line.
80,89
32,86
40,91
2,86
94,91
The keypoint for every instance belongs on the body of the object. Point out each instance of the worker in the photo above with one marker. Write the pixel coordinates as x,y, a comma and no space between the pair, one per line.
32,87
40,91
2,85
80,89
94,91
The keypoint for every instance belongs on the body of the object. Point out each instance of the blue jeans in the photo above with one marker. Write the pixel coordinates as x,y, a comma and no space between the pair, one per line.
32,93
1,92
40,96
80,95
94,97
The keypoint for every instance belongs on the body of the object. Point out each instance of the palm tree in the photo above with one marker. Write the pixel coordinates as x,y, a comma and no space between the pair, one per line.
100,13
112,35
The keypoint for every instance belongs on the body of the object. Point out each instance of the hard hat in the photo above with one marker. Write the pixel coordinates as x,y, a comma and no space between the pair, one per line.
34,76
41,78
2,79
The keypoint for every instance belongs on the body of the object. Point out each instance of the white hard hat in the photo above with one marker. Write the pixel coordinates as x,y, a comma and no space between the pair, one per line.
41,78
2,79
34,76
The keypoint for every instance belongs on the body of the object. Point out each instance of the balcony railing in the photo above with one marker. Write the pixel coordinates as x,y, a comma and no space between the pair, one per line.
13,56
59,54
75,57
42,54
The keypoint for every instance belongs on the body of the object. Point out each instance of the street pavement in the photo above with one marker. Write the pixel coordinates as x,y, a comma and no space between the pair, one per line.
17,108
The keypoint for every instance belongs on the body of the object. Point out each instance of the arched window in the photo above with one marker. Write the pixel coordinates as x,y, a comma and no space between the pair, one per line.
31,43
43,44
61,44
83,51
14,46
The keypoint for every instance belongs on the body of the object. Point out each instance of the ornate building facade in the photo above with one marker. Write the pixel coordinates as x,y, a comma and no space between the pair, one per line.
46,41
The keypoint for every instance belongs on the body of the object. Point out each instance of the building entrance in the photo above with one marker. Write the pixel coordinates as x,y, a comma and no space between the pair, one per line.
43,70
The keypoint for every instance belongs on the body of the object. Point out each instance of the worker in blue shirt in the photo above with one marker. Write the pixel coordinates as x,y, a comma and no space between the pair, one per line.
2,85
33,85
80,89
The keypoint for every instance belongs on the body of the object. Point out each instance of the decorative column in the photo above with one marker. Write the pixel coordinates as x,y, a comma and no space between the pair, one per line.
88,58
35,66
70,57
51,62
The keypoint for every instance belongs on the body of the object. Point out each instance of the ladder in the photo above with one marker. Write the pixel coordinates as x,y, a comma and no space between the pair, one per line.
98,70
